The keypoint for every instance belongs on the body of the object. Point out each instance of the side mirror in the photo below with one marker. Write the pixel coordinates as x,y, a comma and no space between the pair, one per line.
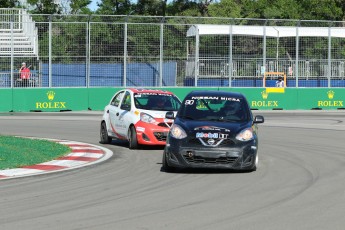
259,119
170,115
126,107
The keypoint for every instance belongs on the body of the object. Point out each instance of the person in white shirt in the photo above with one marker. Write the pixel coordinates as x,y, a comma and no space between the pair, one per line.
280,82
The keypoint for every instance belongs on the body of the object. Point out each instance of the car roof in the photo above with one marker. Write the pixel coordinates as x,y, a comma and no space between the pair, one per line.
215,93
140,90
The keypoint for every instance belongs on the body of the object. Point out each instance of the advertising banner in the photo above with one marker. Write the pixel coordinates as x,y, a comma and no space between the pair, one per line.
50,99
79,99
6,100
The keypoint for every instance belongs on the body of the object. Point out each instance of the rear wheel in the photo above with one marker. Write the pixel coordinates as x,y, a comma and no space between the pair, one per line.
132,138
105,139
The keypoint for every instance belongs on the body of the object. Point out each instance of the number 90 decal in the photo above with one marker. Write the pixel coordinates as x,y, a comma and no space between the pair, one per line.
189,102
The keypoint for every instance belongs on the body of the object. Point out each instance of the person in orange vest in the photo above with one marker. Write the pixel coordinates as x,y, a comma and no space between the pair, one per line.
24,74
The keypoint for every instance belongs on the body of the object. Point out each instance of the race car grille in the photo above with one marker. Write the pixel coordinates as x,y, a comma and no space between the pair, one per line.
217,142
163,124
161,136
207,160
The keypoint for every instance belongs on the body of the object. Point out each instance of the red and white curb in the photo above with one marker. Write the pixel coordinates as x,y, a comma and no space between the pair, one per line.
82,154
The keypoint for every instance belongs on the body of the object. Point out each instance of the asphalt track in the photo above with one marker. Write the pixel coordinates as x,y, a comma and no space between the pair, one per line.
300,182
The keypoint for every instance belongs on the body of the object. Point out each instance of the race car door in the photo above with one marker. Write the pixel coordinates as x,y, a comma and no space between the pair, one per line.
114,111
123,117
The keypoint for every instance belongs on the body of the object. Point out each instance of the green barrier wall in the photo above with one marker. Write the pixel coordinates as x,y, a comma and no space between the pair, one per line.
80,99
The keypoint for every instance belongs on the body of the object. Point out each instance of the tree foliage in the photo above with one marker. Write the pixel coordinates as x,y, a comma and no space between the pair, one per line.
45,7
79,6
114,7
264,9
9,3
110,37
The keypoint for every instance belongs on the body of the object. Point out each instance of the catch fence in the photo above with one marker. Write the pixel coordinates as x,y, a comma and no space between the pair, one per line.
139,51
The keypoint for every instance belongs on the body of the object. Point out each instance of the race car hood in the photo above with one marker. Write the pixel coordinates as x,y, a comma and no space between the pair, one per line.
202,127
155,113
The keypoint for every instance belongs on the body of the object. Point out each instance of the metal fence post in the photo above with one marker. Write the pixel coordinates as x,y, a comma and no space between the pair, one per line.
88,54
196,61
125,56
50,52
297,53
161,54
12,49
329,57
264,50
230,65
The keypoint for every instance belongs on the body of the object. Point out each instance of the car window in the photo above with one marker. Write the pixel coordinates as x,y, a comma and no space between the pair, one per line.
208,109
156,101
116,100
126,101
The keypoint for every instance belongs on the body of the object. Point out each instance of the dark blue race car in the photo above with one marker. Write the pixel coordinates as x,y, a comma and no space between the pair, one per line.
213,129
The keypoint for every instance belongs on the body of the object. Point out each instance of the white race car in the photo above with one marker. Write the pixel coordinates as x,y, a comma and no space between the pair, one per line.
138,115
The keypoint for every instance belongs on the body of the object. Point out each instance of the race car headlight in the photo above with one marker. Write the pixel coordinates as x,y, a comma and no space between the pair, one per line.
245,135
144,117
177,132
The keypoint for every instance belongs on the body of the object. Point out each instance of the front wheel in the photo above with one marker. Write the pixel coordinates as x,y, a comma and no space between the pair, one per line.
105,139
256,162
132,138
165,165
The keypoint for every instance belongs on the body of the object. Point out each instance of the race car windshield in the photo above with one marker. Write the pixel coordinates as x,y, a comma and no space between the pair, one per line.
156,101
220,109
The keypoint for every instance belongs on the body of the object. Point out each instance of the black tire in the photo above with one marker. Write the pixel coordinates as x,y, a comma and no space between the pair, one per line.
132,138
165,165
256,162
105,139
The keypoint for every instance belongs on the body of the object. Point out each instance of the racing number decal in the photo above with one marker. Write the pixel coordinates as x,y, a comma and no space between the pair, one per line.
189,102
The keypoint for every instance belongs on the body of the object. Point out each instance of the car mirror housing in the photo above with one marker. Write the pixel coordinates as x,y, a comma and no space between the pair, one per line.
170,115
126,107
259,119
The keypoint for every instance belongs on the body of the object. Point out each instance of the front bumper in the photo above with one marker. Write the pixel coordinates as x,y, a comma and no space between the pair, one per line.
150,134
240,157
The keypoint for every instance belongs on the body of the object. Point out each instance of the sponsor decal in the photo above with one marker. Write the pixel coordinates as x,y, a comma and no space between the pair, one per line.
140,129
50,104
211,128
215,98
207,128
116,133
206,135
201,105
212,135
330,102
152,93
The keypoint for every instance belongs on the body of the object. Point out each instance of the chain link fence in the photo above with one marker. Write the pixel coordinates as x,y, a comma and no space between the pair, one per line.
139,51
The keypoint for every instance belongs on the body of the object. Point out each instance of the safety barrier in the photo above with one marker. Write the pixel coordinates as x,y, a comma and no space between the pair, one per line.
81,99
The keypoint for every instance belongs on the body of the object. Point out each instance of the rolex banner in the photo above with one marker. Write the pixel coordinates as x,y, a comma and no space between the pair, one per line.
272,98
50,100
79,99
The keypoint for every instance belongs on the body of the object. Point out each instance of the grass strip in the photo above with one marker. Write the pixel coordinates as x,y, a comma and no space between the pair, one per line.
16,152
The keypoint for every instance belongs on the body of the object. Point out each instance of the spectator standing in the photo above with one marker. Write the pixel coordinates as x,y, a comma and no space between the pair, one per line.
280,82
24,74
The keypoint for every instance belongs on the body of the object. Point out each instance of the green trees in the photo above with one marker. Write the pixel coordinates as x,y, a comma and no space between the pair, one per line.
265,9
9,3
